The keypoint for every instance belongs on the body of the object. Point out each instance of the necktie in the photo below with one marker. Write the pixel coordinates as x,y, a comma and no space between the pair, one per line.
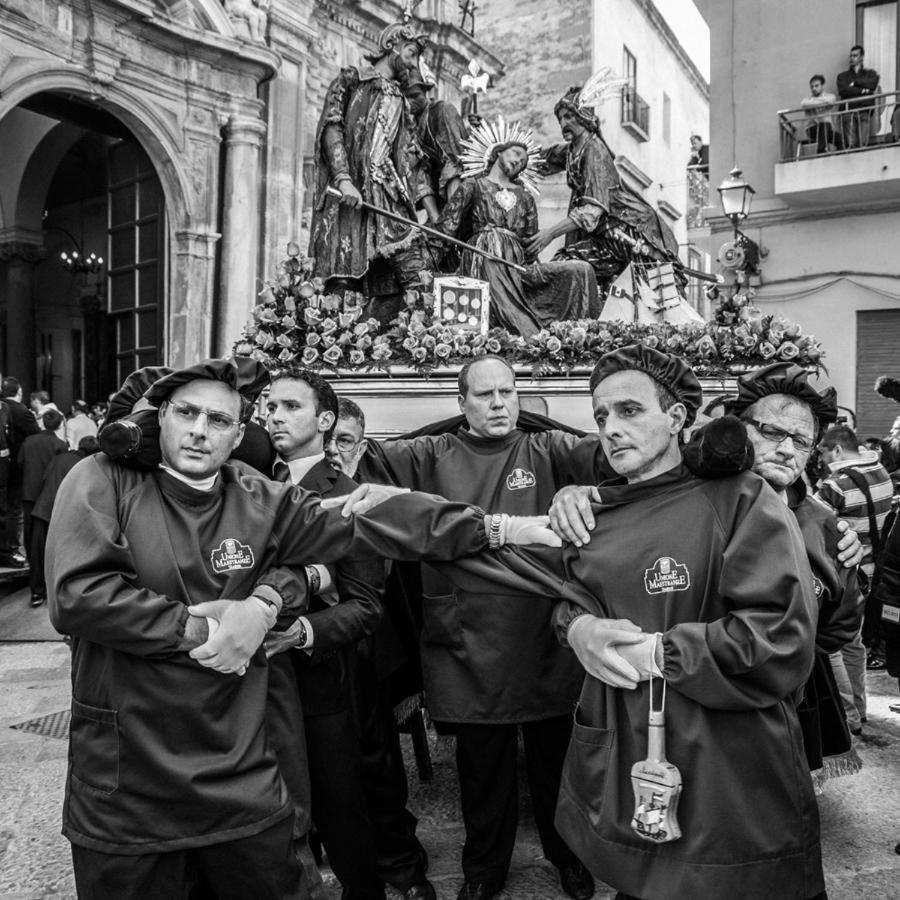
282,471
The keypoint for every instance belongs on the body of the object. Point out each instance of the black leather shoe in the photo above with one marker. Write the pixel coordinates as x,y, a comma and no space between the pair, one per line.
478,891
37,600
422,891
576,881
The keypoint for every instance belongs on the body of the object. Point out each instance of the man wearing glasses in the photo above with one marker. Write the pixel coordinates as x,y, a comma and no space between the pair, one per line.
348,441
172,781
784,415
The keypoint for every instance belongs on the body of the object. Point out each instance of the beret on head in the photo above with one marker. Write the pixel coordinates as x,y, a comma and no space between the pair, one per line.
133,388
246,376
783,378
672,372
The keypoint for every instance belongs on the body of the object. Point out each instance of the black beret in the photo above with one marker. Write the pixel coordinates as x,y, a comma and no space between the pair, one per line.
672,372
783,378
133,388
246,376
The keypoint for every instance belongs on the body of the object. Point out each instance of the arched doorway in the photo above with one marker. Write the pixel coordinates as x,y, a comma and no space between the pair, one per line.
82,184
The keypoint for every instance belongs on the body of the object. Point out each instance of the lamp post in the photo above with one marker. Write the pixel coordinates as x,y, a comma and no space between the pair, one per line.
735,195
738,257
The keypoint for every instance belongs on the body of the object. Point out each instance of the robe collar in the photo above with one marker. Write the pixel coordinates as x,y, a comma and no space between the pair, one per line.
618,492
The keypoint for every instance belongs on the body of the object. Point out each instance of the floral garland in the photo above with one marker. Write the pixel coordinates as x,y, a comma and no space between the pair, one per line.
297,322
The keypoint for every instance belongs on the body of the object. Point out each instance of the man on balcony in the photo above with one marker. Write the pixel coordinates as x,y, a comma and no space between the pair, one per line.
856,87
820,106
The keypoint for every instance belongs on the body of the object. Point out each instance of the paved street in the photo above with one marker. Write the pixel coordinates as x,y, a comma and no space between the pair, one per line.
860,817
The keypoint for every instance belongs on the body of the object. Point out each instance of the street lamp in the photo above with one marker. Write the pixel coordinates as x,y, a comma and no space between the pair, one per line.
735,196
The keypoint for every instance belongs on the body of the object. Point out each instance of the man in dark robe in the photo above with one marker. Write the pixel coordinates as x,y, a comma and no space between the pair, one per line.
601,208
366,149
496,213
491,663
723,612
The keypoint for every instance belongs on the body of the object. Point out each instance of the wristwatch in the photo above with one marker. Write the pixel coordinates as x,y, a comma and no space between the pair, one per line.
494,532
301,635
313,579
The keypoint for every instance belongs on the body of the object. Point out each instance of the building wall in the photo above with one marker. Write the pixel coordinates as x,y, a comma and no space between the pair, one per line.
662,68
826,259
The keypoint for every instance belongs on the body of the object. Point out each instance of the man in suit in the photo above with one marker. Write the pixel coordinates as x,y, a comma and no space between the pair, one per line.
387,676
22,423
59,466
301,413
33,459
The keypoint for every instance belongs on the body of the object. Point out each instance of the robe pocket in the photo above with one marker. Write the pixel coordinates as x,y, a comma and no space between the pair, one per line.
94,736
588,765
441,622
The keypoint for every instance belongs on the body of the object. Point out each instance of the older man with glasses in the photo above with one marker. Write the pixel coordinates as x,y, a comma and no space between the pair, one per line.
784,415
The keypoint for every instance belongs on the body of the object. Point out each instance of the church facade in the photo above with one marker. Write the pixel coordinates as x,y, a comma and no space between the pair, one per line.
172,139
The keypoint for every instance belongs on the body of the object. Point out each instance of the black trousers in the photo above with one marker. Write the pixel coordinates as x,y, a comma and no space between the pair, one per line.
263,867
486,761
37,554
13,531
338,804
400,856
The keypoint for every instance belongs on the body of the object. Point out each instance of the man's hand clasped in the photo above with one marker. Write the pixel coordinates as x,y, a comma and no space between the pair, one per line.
278,641
615,651
570,513
242,627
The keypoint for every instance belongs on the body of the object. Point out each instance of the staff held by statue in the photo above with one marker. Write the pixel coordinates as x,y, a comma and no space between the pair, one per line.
432,232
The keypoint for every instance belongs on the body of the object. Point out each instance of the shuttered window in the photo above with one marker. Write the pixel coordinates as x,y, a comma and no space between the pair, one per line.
877,353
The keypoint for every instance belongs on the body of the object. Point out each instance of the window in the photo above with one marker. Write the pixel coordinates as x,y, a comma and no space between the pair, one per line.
877,30
696,294
667,119
635,112
629,68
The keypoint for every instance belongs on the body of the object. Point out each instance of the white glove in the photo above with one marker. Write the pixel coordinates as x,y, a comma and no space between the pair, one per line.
521,530
242,627
363,498
643,656
597,642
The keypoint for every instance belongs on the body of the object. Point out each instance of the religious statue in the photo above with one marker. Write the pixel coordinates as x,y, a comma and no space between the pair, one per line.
607,224
366,149
441,132
494,210
251,16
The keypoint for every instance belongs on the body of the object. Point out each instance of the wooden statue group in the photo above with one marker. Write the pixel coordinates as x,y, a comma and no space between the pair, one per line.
386,149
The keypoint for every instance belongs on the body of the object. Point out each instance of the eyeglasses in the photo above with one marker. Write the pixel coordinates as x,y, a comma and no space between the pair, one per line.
779,435
189,413
346,444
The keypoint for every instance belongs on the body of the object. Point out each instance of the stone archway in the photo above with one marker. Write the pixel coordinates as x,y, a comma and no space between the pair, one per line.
185,169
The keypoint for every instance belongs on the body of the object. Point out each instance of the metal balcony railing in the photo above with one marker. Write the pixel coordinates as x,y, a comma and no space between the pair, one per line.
635,113
697,196
846,126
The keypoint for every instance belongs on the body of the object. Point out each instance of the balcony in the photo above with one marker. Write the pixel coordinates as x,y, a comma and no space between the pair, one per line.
635,114
697,196
839,155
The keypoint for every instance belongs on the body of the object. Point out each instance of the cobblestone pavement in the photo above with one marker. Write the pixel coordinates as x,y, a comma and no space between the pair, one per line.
860,820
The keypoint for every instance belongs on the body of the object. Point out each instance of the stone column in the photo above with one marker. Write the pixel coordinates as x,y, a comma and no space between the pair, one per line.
20,260
239,285
190,338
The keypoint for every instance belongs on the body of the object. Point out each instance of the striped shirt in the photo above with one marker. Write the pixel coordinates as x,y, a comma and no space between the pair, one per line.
839,493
